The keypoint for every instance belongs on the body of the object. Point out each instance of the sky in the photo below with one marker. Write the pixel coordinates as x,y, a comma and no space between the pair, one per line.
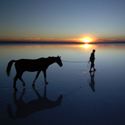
62,19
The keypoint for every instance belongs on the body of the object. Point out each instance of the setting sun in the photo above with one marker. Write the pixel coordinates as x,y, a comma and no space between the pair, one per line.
86,39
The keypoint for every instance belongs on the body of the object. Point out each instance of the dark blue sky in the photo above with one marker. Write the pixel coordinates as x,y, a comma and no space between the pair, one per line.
62,18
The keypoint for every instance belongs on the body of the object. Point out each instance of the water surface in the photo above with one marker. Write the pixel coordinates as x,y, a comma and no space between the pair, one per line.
85,99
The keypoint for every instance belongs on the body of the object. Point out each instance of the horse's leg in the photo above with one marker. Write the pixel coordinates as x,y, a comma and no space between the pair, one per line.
15,97
44,72
14,82
22,81
20,77
37,93
22,94
36,78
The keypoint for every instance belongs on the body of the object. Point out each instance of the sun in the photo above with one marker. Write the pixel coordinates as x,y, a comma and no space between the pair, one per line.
86,39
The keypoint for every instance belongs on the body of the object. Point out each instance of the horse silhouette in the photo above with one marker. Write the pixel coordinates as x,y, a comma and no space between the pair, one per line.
31,65
24,109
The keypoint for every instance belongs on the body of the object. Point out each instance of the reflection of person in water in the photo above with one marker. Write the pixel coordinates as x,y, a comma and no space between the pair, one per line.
92,82
24,109
92,60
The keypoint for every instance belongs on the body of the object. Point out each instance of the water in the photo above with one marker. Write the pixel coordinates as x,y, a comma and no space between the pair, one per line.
86,99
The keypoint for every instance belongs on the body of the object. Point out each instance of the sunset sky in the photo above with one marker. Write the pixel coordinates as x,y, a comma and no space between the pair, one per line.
62,19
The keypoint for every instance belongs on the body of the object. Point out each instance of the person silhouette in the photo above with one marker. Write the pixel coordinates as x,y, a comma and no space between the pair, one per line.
92,60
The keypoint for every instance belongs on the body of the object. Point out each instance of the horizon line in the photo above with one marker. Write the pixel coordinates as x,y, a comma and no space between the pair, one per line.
59,42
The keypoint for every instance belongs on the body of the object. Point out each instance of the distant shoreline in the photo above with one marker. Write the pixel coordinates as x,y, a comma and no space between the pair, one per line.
57,42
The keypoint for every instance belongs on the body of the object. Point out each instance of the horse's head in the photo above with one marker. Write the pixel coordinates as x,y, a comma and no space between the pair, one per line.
59,61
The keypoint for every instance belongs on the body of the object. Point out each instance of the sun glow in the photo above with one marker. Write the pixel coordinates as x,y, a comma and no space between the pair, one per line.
86,39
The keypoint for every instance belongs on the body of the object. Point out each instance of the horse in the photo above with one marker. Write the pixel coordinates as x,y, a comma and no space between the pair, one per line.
32,65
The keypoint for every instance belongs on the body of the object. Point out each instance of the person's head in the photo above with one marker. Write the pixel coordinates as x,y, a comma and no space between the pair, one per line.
93,50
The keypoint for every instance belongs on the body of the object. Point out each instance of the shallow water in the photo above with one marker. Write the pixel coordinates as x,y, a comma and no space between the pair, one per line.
97,99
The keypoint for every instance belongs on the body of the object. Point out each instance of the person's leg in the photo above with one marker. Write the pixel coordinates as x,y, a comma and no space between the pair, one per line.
90,67
94,67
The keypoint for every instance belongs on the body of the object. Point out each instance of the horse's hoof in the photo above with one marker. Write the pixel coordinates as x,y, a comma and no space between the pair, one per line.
23,85
24,89
33,85
90,71
46,83
15,89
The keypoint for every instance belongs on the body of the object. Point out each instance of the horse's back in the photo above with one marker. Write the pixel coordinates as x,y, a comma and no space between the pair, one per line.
25,61
30,64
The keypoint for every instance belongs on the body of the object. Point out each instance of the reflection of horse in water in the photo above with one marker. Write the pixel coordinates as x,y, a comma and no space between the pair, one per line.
32,65
24,109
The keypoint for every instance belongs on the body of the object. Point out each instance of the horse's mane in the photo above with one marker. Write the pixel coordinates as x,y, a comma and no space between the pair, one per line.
51,57
44,58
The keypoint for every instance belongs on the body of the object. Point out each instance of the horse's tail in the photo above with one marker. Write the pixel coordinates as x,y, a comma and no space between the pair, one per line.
9,66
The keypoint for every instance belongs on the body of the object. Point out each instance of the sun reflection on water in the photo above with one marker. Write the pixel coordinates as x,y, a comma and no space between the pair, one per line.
86,46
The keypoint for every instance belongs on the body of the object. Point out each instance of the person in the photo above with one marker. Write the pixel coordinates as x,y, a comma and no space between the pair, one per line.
92,60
